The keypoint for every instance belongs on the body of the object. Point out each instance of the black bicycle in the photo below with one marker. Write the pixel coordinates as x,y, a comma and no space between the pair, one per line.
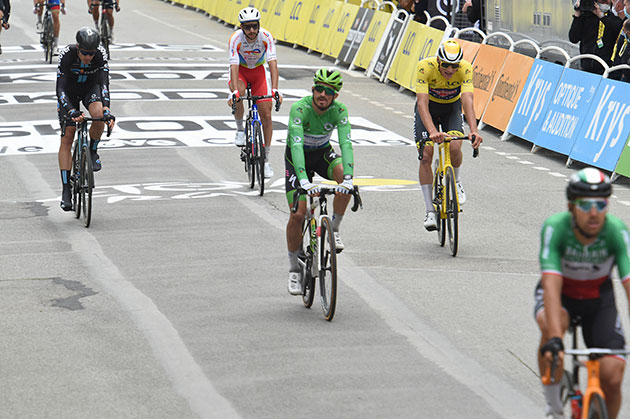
82,178
104,26
47,37
253,152
318,256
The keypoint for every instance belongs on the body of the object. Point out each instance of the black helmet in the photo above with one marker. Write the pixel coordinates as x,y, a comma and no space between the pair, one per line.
589,182
88,38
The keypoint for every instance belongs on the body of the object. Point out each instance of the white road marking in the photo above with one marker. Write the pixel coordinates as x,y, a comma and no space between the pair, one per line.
177,27
541,168
556,174
525,162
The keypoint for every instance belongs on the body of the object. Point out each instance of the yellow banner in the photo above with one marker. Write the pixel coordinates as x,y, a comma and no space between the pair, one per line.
347,14
298,16
371,39
266,8
419,41
279,18
314,23
332,14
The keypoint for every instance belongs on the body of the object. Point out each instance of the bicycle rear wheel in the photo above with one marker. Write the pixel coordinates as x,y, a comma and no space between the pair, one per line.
438,187
307,267
87,184
452,210
327,268
48,40
105,39
260,157
596,407
76,181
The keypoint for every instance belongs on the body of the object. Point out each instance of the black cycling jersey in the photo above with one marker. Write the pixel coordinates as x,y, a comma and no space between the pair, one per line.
74,78
5,6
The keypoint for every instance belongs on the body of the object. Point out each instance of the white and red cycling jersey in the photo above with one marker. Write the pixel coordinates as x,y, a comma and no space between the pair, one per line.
251,58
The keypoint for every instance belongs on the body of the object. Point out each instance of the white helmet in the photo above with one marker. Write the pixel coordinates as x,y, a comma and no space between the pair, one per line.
249,14
450,52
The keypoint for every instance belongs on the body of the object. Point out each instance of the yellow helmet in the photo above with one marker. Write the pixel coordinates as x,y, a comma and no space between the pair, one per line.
450,51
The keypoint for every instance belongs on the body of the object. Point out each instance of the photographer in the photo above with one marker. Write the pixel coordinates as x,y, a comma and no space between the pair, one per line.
621,53
596,28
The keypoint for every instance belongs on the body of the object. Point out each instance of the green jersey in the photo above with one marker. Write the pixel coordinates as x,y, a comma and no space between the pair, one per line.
309,131
584,268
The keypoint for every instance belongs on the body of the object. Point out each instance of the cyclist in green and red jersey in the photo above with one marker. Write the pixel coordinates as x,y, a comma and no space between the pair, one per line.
579,249
311,123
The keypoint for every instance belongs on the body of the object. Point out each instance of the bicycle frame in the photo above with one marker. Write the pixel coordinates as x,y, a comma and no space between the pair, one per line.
444,162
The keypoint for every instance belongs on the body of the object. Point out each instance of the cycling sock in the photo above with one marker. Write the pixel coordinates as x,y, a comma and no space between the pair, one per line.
65,175
336,221
94,144
294,266
239,125
457,170
552,397
426,193
267,151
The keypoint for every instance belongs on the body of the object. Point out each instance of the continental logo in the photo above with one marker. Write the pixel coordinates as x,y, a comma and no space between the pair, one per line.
505,89
482,80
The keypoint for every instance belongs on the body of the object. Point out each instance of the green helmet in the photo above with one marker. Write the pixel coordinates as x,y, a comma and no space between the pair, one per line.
329,76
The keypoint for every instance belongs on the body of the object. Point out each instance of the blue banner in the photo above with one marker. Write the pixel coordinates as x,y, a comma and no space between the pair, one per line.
602,137
568,110
535,99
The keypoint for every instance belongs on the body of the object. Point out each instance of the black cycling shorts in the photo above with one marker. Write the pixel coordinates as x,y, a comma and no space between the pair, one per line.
106,4
448,116
601,325
76,97
321,161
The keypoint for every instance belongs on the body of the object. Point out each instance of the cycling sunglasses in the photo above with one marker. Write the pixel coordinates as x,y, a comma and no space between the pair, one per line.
86,52
328,90
587,204
447,65
251,27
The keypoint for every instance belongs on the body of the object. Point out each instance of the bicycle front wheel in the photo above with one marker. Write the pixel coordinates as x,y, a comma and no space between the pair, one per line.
596,407
260,158
308,250
87,184
76,181
105,37
438,202
452,210
48,40
327,268
250,163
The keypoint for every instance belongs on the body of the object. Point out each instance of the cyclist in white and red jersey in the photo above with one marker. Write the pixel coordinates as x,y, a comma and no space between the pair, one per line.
579,249
250,48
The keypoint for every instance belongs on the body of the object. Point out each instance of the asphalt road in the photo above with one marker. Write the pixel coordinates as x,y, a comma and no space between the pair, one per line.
173,304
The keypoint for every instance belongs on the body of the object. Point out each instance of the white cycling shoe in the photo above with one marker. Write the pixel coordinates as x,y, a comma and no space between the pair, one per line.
268,171
461,195
239,140
295,283
338,243
430,221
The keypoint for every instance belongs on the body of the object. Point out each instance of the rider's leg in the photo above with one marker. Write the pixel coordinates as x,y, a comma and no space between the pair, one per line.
95,11
65,165
340,203
97,127
611,371
56,27
264,111
425,176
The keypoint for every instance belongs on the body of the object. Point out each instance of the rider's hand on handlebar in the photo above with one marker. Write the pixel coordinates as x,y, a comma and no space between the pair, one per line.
234,97
345,187
277,95
310,188
477,141
76,115
437,137
554,346
108,118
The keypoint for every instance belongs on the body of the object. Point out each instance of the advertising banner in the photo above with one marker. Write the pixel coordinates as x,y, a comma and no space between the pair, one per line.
569,107
339,33
374,33
535,99
507,90
418,42
314,23
266,7
388,48
279,18
332,14
602,136
623,166
355,35
486,70
294,29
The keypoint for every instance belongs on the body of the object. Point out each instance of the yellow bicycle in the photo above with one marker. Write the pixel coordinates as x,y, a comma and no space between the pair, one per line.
445,200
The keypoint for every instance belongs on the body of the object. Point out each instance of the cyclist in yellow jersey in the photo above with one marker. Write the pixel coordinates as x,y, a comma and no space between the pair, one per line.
443,88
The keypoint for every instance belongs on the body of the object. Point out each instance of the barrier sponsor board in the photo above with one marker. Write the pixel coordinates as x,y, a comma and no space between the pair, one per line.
332,14
535,99
339,32
374,33
388,48
298,16
567,111
313,24
507,90
486,70
605,130
37,137
418,42
356,34
623,165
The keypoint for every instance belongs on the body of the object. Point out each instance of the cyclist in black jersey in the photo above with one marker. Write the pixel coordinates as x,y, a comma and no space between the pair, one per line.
82,76
5,11
108,8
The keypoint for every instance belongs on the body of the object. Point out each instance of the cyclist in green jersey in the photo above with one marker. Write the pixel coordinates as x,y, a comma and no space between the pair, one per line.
311,123
579,249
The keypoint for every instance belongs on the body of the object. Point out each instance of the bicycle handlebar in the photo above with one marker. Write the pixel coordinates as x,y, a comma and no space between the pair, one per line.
596,352
88,119
324,190
256,99
449,139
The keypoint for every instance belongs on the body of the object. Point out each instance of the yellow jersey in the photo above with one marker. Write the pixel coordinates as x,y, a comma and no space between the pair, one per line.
439,89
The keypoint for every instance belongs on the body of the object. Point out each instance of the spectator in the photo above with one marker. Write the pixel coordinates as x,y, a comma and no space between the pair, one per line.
621,53
472,8
5,11
596,31
406,4
419,7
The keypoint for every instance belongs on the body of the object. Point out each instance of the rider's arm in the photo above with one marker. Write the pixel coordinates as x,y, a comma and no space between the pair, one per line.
234,60
273,69
295,140
234,77
7,10
345,141
551,266
468,101
104,79
63,75
271,57
422,100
